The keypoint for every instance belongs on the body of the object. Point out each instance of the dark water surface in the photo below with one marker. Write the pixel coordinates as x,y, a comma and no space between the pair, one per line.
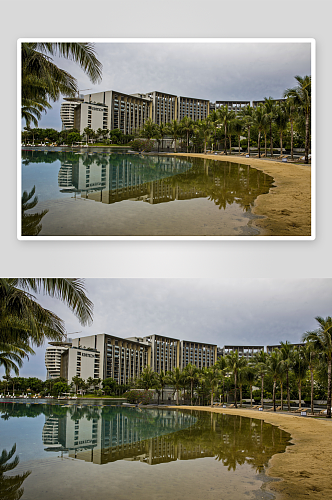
119,194
83,452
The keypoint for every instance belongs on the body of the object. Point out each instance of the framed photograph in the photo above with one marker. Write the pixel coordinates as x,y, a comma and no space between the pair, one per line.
166,139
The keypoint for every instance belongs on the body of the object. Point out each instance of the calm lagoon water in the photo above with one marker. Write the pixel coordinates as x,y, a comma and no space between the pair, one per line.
83,452
121,194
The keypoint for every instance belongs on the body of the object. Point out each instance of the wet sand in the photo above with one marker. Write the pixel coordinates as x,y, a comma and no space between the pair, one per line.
305,469
287,207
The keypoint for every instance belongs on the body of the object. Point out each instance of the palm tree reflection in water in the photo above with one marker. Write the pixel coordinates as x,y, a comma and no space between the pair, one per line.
11,486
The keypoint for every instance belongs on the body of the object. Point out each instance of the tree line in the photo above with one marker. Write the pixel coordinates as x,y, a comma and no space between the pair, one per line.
276,122
288,372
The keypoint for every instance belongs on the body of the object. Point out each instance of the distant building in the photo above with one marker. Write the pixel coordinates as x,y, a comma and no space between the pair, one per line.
246,351
199,354
232,105
270,348
108,356
53,356
111,110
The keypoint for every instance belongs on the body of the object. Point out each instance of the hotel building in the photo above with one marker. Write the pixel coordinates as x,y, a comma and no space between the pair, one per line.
103,356
198,354
246,351
53,356
232,105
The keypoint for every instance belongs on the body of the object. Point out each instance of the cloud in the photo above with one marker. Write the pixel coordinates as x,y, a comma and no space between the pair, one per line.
214,71
222,312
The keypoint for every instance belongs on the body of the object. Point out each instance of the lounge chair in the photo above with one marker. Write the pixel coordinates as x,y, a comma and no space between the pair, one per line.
231,406
243,154
277,409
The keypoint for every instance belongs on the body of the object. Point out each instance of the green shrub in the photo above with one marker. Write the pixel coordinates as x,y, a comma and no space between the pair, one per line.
136,397
141,145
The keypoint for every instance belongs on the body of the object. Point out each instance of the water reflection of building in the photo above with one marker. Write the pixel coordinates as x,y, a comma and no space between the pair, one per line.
127,177
132,434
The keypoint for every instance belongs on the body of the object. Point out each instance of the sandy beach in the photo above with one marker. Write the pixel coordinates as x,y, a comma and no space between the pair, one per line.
305,468
287,207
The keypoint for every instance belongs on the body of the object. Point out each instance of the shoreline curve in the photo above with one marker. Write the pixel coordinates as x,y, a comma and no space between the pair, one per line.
286,209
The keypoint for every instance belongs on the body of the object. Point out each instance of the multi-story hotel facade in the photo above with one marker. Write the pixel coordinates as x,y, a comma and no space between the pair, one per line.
111,110
104,356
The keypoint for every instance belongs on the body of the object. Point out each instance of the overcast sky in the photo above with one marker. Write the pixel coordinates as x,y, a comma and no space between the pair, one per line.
239,311
214,71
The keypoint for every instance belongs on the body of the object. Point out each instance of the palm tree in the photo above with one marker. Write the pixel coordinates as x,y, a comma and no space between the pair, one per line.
187,126
286,350
162,132
30,222
250,377
221,365
301,96
247,117
174,129
191,374
281,120
274,369
238,130
225,116
214,120
312,360
234,364
23,321
175,378
259,117
148,378
162,382
212,378
43,81
300,367
11,355
11,485
322,342
269,104
205,129
261,360
241,377
149,129
292,113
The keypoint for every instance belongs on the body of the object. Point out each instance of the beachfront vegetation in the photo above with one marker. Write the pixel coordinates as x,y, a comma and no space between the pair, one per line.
286,374
284,124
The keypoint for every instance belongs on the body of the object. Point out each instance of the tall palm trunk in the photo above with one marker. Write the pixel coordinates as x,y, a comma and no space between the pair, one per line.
225,143
274,395
249,140
265,145
328,412
235,390
259,144
307,143
262,392
251,396
271,141
280,143
312,391
292,139
288,392
300,396
281,397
